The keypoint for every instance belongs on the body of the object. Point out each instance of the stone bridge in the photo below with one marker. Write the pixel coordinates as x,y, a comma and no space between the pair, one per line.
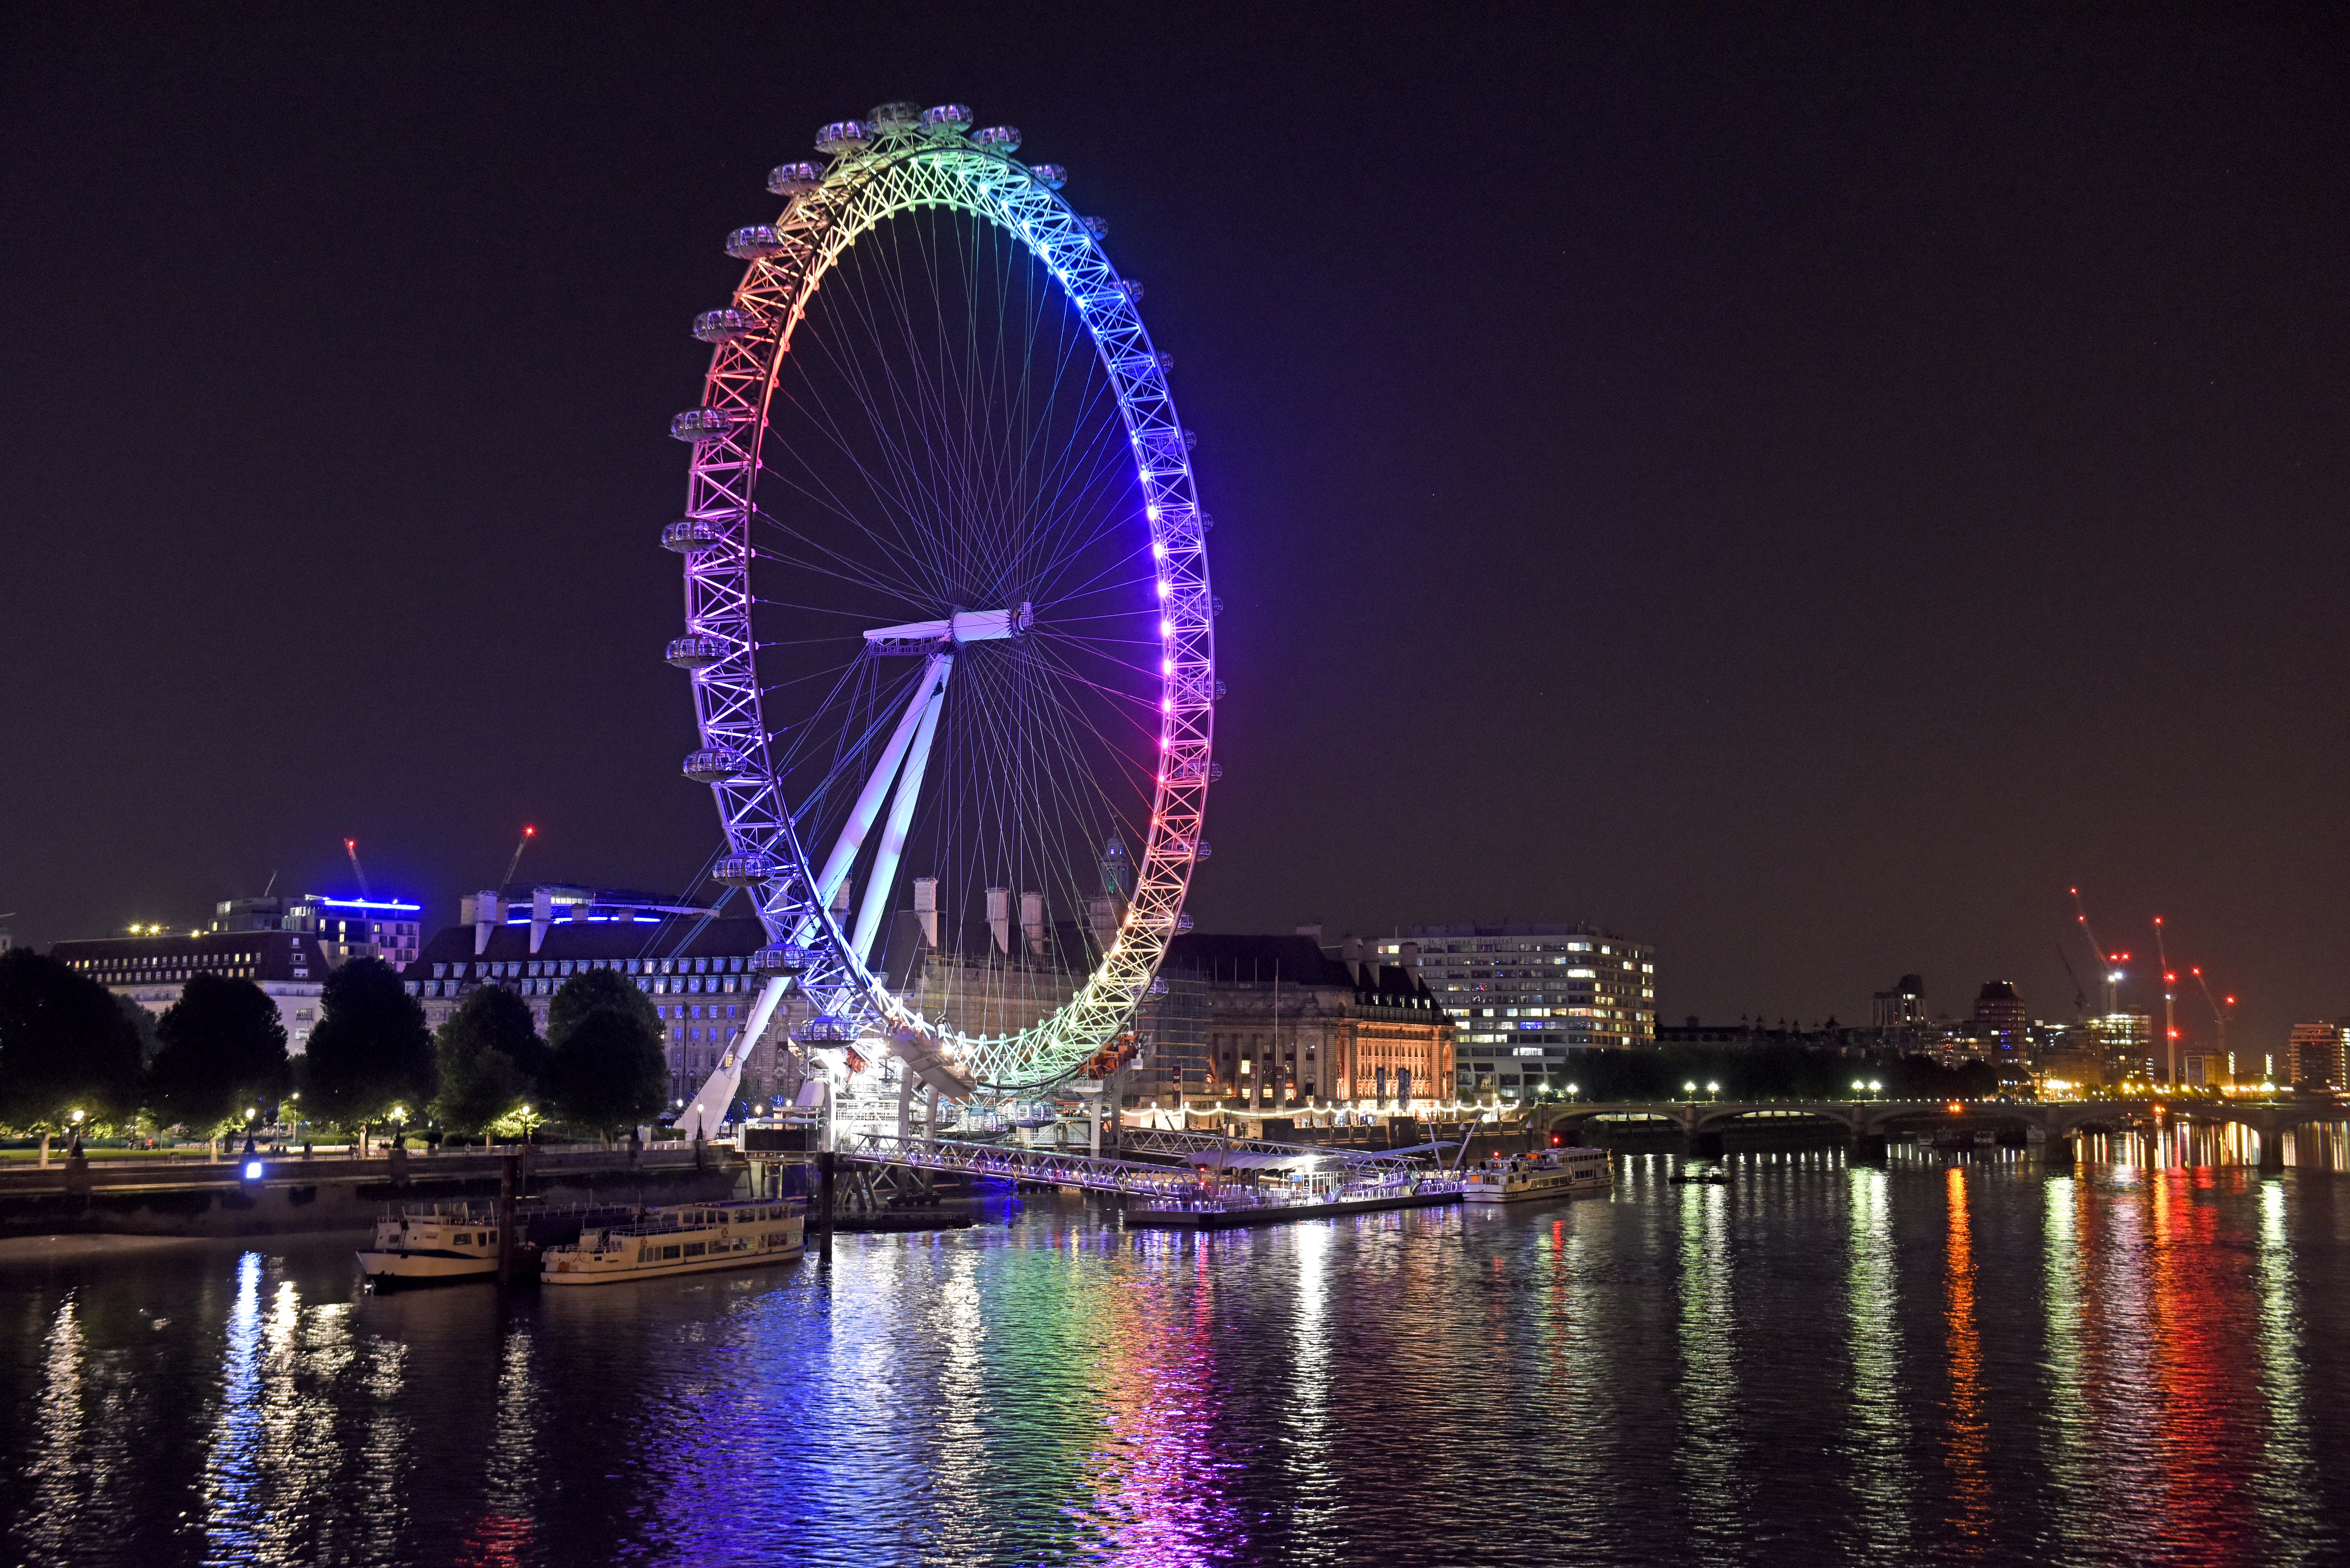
1868,1121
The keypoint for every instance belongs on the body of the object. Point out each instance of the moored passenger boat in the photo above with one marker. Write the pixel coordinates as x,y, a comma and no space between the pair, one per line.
433,1244
1553,1173
689,1240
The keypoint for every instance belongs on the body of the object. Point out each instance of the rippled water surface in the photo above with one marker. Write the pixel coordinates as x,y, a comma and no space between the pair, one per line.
1814,1364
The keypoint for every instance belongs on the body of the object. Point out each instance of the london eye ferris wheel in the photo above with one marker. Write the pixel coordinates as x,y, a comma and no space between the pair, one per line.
948,615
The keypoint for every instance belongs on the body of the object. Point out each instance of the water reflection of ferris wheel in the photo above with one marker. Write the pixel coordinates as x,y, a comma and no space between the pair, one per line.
948,615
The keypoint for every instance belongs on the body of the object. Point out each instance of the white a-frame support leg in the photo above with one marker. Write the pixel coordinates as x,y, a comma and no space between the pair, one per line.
902,819
708,1106
868,800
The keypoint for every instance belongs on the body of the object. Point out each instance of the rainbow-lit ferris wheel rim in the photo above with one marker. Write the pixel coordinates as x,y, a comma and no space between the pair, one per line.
894,161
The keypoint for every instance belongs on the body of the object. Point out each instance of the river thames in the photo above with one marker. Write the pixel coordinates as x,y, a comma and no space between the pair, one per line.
1974,1361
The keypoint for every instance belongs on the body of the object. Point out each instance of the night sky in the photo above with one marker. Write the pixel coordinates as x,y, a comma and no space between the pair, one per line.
1802,492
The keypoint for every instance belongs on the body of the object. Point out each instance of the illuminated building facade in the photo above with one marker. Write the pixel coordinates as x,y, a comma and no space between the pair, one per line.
1525,998
2002,1023
2318,1055
2126,1044
388,928
1899,1014
1288,1025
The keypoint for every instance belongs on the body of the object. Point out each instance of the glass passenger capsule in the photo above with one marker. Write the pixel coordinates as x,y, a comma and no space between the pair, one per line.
721,326
1051,176
702,424
688,535
792,179
841,138
695,652
714,764
1003,139
754,241
781,958
894,119
743,870
947,119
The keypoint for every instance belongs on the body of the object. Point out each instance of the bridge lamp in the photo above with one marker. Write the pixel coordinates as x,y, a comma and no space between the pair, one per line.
1714,1089
1859,1086
1690,1089
1873,1086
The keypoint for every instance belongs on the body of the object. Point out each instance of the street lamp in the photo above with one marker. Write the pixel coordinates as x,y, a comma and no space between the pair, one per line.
1713,1089
1874,1086
1690,1089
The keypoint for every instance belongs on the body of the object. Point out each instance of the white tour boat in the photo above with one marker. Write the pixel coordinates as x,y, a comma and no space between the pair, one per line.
433,1244
1553,1173
683,1240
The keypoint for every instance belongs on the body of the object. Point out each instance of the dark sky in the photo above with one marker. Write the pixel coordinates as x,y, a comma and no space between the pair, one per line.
1800,492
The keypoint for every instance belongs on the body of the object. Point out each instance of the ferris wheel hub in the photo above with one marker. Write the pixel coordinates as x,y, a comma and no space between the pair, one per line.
962,626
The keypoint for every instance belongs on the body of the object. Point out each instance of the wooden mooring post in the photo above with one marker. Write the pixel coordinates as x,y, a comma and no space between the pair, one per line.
825,1163
508,1168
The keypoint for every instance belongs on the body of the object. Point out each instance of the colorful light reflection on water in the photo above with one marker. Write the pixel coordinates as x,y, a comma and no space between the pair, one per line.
1980,1361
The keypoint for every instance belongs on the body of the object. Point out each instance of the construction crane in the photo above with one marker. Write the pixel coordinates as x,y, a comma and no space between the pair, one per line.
2169,1018
2219,1021
2109,976
2080,997
352,848
528,833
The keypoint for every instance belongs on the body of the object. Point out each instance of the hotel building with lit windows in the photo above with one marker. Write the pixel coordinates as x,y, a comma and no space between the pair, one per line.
290,968
1525,999
388,928
285,945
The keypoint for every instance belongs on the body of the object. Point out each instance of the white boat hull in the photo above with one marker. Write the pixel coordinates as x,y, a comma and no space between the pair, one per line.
696,1238
556,1273
388,1269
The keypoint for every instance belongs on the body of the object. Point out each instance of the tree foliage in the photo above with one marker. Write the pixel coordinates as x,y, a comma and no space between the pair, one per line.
146,1025
491,1060
606,1067
65,1045
221,1049
590,989
370,1050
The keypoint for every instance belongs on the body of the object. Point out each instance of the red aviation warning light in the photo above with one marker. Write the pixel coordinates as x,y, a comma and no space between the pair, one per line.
528,833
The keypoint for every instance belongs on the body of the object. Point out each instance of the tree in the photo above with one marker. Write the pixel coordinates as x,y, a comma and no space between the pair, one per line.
65,1045
491,1060
145,1024
590,989
222,1051
370,1051
606,1068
